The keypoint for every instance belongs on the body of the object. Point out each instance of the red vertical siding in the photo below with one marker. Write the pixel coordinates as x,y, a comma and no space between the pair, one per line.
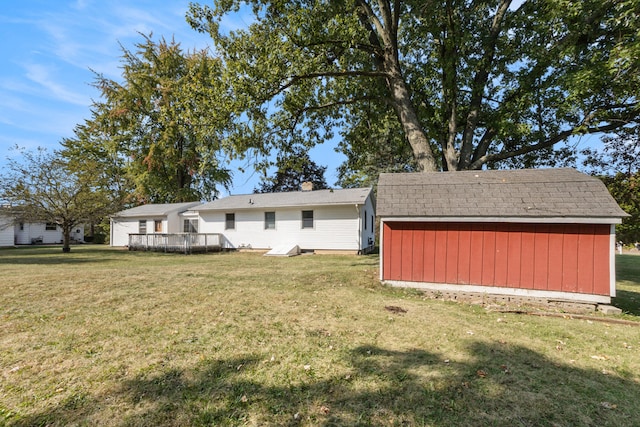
541,257
406,260
555,260
476,255
464,253
417,260
501,260
387,256
488,255
514,255
585,268
440,264
555,257
453,252
527,258
601,253
570,259
429,274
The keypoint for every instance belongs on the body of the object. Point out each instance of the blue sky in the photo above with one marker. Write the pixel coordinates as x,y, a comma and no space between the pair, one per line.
49,48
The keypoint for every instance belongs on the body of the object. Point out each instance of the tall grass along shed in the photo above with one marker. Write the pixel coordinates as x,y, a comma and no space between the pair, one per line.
539,233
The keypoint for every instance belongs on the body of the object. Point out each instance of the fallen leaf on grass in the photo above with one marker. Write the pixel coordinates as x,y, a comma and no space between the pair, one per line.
608,405
480,373
325,410
599,357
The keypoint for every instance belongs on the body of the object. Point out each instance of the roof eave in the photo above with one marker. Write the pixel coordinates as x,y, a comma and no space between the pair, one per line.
509,219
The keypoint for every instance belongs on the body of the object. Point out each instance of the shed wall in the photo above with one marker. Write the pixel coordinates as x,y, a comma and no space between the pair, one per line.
571,258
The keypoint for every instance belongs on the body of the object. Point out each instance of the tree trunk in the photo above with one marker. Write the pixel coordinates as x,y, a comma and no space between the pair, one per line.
66,238
413,130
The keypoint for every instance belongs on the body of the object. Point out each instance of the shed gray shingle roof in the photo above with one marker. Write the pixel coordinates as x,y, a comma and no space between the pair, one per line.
523,193
158,209
349,196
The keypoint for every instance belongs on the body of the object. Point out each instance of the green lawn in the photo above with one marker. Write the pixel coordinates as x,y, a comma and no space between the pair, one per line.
112,338
628,284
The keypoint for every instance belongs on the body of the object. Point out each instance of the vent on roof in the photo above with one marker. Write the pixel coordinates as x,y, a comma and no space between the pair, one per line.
307,186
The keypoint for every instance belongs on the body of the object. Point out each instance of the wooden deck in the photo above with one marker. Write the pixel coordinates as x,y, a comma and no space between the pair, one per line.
186,243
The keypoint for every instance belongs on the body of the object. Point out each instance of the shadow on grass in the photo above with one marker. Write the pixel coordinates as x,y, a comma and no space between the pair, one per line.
628,301
500,385
53,255
628,284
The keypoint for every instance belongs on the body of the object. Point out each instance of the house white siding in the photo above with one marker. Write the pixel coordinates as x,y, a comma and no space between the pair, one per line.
27,233
173,223
167,216
6,232
343,220
334,228
120,230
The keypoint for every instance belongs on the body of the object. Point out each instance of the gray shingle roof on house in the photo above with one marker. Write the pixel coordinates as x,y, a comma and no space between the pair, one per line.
157,210
523,193
349,196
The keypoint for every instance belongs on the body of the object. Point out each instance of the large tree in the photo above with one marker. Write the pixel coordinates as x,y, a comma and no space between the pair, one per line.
41,187
292,170
617,164
159,132
466,83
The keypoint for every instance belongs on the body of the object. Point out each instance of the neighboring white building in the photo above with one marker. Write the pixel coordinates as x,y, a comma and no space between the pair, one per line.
6,231
29,233
148,219
341,220
320,220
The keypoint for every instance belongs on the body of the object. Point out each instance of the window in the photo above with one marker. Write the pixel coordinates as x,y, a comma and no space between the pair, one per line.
157,226
190,226
269,220
307,219
230,221
50,226
142,226
22,226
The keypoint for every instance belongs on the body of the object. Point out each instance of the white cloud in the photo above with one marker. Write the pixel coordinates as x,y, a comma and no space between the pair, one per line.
41,75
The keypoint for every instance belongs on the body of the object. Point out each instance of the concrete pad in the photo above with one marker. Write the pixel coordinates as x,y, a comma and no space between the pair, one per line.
609,309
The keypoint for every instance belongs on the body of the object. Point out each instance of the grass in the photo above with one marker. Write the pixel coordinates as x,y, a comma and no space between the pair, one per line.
113,338
628,284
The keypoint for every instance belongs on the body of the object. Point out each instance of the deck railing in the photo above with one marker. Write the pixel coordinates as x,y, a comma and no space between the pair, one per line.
187,243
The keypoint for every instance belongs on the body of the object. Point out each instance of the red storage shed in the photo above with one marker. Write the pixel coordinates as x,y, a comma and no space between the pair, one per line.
537,233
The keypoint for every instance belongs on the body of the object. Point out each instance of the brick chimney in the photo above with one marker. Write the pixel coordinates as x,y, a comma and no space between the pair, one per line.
307,186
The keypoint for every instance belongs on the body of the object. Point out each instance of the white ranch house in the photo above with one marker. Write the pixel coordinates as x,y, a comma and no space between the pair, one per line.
147,219
333,221
15,232
46,233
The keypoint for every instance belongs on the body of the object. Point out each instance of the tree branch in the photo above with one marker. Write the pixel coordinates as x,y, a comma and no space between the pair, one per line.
479,84
546,144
